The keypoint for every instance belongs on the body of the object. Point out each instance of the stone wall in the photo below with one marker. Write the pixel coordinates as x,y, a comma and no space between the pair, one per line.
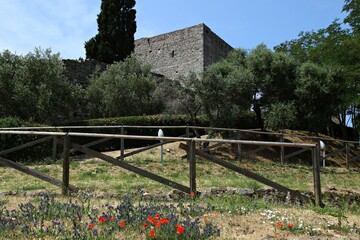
79,71
179,52
214,47
171,55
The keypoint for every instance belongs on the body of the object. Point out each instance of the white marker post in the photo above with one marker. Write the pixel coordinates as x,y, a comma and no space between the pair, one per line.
161,134
323,148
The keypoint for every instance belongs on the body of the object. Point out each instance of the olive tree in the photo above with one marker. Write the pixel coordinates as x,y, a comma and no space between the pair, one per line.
318,94
274,79
225,90
125,89
33,87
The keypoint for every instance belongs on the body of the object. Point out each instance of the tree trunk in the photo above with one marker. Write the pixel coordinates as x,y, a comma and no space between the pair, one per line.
257,111
343,125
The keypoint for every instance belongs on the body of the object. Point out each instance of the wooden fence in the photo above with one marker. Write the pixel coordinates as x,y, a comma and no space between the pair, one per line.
62,135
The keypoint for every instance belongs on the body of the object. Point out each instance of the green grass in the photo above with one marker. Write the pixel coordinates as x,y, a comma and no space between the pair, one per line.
30,187
105,176
42,169
101,176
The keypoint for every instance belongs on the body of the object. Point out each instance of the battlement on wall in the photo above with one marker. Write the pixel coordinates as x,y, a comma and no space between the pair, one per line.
180,52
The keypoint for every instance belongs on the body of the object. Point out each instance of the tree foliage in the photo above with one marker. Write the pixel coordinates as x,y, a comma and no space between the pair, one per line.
353,19
33,87
318,95
283,92
274,78
225,90
283,115
125,89
337,47
187,100
116,29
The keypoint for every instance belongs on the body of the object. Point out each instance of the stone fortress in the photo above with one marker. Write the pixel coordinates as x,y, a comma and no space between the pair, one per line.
179,52
171,54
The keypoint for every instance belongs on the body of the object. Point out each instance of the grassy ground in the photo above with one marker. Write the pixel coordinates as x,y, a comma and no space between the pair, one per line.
237,217
95,174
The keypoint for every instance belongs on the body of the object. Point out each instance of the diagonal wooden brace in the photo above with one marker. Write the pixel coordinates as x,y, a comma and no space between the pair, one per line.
129,167
35,173
293,193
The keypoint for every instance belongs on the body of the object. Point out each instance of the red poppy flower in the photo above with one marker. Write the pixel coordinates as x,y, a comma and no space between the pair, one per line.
157,216
279,224
150,219
145,225
102,219
152,233
290,225
122,224
91,226
158,224
179,229
164,220
112,218
192,194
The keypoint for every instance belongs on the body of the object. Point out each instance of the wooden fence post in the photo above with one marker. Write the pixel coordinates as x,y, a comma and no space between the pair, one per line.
54,148
316,175
239,150
66,165
347,154
187,131
282,150
192,162
122,144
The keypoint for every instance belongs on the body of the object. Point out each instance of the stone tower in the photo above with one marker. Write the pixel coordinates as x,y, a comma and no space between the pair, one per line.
177,53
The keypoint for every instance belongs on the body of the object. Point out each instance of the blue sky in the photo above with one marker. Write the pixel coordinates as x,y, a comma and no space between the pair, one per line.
64,25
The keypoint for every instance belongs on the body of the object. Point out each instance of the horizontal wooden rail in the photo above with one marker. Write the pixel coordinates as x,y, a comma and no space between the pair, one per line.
270,133
138,137
178,127
90,127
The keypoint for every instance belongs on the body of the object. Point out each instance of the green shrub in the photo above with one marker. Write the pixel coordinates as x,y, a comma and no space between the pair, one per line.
29,154
281,116
33,86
